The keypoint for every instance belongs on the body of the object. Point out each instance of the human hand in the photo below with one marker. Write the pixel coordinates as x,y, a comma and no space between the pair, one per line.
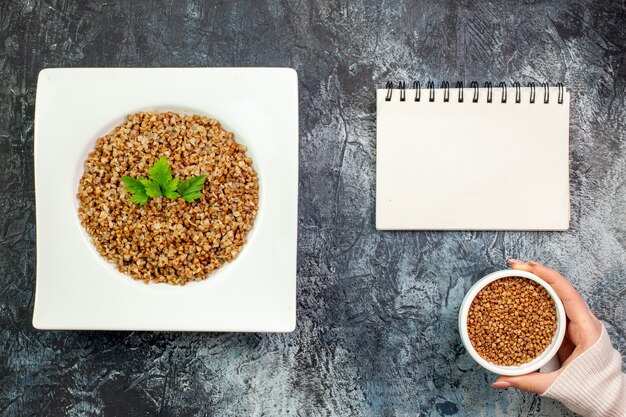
583,330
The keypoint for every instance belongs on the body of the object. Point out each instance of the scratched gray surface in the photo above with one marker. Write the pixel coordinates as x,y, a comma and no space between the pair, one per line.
376,331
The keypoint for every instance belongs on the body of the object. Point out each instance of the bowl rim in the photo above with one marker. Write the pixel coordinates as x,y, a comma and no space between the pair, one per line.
540,360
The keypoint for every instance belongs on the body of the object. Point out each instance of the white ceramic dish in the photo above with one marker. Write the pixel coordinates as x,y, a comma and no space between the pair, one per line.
538,362
77,289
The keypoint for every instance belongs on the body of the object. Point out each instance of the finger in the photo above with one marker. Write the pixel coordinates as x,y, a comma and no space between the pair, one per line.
535,382
575,307
566,292
517,264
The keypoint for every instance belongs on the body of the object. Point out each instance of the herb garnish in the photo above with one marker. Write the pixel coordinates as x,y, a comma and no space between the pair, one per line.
161,184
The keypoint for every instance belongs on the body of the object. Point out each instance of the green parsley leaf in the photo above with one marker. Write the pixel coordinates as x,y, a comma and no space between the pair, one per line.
133,185
190,188
190,197
169,189
161,184
161,171
152,188
136,189
140,199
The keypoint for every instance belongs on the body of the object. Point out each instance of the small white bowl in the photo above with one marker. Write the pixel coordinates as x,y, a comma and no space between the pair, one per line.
536,363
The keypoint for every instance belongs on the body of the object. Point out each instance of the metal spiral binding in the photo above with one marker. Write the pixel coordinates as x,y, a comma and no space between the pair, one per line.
474,85
446,91
445,85
503,87
389,88
431,91
489,88
532,92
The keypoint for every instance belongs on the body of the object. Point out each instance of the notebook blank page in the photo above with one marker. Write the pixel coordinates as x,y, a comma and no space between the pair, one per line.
472,166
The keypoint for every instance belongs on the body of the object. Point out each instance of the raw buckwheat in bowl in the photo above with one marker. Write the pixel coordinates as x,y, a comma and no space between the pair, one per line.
512,322
168,197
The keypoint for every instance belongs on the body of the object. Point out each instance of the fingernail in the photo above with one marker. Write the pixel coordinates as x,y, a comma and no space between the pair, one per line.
501,385
514,261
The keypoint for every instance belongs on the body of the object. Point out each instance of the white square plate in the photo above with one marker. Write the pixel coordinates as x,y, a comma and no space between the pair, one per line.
77,289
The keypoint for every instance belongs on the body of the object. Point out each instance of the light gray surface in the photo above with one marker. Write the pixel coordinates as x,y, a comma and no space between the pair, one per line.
377,311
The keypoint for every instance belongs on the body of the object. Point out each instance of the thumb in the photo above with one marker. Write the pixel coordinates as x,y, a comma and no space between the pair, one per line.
535,382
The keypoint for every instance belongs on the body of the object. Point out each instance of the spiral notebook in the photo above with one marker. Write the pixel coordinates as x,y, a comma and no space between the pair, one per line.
475,158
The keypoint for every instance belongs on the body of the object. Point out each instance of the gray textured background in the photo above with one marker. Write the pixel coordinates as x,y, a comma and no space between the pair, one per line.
377,311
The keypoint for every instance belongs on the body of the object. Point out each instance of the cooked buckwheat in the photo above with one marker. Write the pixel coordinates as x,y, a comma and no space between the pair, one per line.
167,240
